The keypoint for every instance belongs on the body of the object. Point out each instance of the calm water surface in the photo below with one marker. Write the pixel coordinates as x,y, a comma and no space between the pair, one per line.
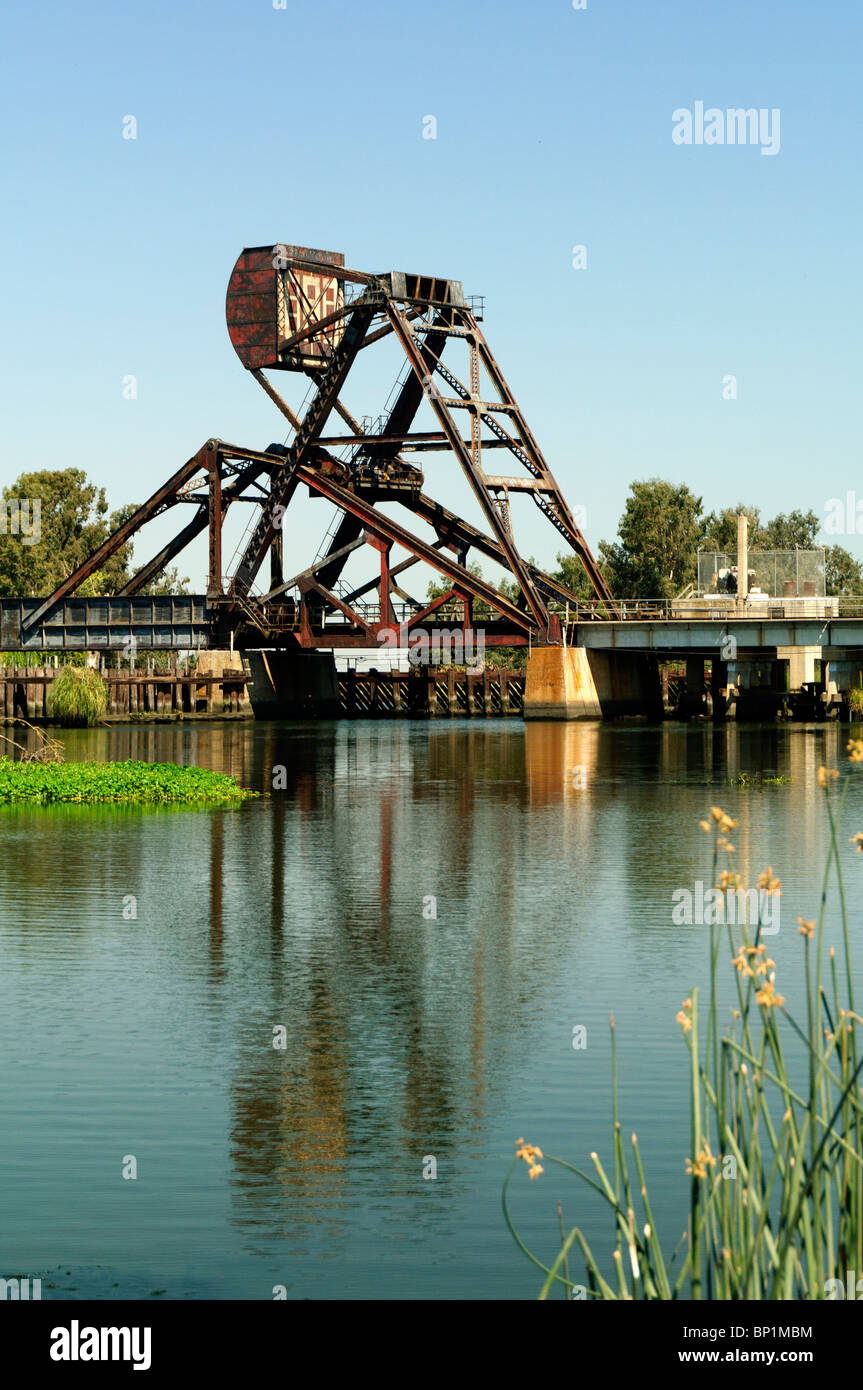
409,1037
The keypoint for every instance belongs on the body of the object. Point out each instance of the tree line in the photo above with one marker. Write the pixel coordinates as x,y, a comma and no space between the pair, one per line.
663,527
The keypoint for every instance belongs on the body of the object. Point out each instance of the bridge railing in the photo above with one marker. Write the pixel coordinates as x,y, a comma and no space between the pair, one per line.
642,610
757,608
629,609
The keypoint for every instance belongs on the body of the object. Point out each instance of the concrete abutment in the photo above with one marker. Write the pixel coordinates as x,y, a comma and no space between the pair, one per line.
581,683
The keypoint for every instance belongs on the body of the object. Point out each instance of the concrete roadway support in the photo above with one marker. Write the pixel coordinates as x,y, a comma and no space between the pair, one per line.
577,683
719,689
842,673
293,685
757,685
801,664
692,701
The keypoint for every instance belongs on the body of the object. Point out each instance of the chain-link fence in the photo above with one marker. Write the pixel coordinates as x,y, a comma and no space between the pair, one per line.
773,573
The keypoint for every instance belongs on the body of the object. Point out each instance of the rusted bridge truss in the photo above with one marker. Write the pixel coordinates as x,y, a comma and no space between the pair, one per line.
291,309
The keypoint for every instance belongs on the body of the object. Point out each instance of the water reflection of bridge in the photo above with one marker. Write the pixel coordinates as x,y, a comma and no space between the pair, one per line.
400,1027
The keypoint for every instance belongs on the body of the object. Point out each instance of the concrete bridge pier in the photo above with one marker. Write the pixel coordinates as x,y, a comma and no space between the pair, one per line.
842,672
719,682
757,683
583,683
801,664
693,699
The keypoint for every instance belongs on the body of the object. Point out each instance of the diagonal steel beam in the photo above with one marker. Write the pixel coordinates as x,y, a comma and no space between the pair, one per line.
164,497
398,423
189,532
458,532
553,506
345,537
284,478
396,569
385,525
430,608
168,553
473,474
411,394
313,586
549,498
314,569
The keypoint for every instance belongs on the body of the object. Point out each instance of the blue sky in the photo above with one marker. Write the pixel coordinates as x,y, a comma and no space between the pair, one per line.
304,124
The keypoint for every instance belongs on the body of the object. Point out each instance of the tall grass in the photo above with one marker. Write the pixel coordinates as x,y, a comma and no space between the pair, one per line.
775,1171
77,697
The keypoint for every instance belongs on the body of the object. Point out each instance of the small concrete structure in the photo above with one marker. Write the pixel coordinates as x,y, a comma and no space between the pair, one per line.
212,661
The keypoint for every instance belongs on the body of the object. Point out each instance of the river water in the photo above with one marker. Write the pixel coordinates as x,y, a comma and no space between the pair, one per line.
428,911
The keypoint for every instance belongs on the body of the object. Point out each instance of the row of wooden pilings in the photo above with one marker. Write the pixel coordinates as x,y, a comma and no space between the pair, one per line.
430,694
24,689
184,694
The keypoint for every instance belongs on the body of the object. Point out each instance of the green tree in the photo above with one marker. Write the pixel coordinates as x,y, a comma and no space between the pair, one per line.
659,535
169,581
77,696
787,531
720,528
73,521
571,572
797,529
437,588
844,574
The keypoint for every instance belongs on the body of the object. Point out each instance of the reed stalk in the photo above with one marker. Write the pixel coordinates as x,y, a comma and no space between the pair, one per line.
775,1196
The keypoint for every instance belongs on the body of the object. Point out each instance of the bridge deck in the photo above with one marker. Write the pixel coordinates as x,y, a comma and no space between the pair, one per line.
707,635
184,622
178,622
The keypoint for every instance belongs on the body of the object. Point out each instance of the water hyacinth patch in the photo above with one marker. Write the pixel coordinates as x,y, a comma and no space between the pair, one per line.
130,782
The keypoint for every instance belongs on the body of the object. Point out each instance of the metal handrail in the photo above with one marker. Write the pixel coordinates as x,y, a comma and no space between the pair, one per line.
683,610
629,610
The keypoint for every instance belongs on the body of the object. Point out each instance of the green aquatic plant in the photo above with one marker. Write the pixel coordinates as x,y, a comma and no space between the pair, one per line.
757,779
128,782
77,697
742,779
775,1171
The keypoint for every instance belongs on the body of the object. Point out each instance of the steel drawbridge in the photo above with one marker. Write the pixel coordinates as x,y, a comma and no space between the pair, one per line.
292,309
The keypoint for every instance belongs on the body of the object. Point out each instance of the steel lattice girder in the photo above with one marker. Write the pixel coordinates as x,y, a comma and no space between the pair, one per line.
423,312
